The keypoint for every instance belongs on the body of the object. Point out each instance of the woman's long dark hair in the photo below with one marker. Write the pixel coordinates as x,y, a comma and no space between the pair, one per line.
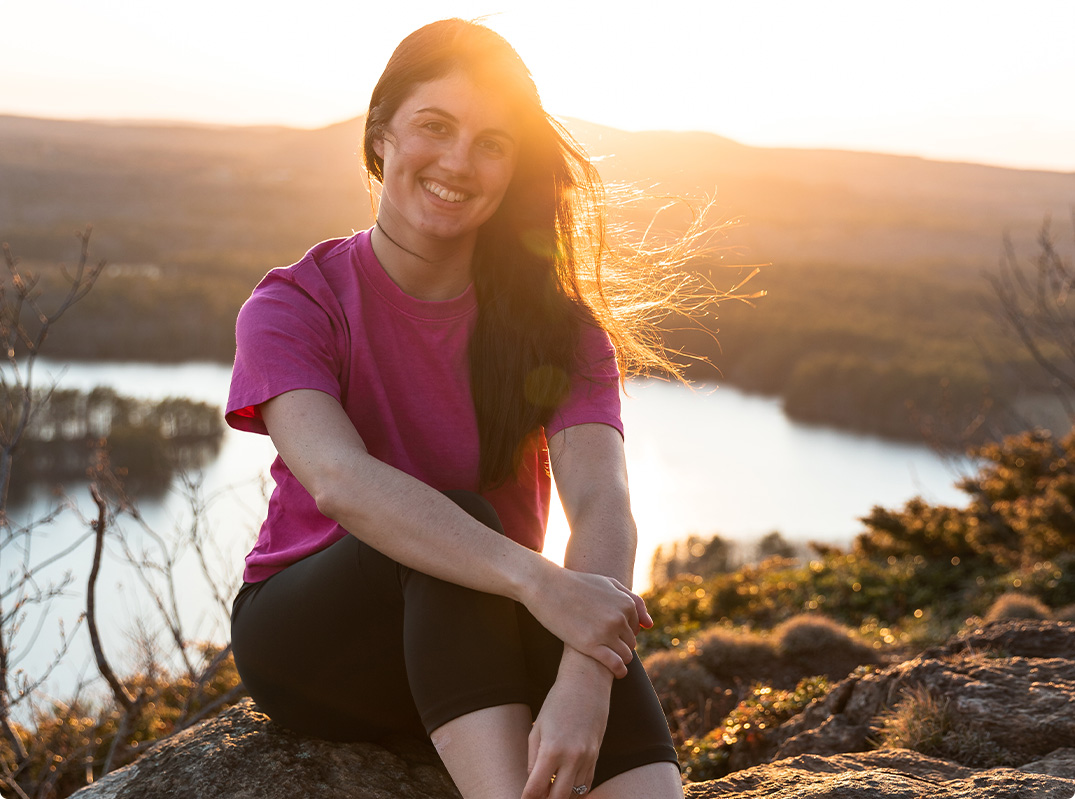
537,262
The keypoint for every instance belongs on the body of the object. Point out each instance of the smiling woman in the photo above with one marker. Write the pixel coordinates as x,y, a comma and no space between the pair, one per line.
420,380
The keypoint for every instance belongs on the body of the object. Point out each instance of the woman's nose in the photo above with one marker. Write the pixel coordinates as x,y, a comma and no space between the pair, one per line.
458,157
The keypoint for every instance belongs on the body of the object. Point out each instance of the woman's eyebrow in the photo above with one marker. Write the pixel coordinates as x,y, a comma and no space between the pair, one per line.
432,109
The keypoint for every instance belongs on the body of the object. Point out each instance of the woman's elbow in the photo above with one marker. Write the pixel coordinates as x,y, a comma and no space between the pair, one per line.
333,493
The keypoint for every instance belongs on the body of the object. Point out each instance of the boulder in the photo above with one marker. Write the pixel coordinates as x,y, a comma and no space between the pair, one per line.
1060,763
1007,688
241,754
1012,683
887,774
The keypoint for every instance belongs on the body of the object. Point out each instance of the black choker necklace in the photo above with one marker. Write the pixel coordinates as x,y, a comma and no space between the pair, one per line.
377,224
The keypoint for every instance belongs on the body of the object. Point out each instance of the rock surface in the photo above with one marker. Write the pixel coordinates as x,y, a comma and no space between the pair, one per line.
1009,686
1013,683
890,774
242,755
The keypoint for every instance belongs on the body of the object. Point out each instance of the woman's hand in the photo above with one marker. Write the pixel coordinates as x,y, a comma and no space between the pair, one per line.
567,735
594,614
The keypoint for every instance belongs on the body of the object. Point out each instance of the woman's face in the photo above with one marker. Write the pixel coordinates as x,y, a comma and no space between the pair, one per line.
449,154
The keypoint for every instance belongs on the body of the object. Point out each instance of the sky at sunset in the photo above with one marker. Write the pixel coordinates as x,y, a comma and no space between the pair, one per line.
984,81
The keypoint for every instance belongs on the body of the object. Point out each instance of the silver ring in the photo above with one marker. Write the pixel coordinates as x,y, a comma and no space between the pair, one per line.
579,790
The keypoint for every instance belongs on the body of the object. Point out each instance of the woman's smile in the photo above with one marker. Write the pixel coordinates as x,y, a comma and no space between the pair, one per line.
444,193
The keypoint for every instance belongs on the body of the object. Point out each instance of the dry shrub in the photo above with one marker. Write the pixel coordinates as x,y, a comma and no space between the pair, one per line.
925,723
679,680
811,644
919,722
731,654
810,633
1017,606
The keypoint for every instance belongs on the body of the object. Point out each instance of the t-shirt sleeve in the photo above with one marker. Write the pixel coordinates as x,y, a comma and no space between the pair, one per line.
594,396
286,338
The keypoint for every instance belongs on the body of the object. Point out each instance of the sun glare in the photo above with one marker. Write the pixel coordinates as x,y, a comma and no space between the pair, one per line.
942,80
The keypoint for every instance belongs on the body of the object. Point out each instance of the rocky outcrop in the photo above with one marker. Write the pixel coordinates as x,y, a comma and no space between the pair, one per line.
1007,691
1008,685
889,774
242,755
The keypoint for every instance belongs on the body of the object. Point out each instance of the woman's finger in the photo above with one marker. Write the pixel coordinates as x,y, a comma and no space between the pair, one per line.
626,655
564,788
541,782
582,784
611,660
642,618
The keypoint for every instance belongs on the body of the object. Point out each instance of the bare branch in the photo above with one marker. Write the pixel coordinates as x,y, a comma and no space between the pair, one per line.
1033,304
120,693
15,330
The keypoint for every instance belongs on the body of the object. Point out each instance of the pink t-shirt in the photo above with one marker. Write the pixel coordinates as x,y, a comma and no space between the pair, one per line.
335,322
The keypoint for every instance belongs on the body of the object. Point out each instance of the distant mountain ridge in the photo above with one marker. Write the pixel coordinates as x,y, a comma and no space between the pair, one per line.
796,205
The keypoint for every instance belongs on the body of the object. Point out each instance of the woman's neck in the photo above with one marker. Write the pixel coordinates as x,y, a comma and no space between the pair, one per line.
426,270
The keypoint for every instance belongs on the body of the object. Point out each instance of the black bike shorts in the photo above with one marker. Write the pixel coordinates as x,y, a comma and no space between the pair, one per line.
348,645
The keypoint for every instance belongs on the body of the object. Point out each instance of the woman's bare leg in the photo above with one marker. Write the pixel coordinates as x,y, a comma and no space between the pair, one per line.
654,781
485,751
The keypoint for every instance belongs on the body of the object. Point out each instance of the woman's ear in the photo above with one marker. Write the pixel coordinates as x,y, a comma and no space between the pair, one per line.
378,144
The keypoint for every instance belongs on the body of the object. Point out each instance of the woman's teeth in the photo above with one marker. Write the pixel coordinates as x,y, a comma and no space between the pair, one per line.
445,194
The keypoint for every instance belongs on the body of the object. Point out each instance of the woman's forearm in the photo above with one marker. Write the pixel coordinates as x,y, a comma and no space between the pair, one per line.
391,511
419,527
591,477
603,539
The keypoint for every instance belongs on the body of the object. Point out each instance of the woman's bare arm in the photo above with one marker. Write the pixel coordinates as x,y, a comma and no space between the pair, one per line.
591,477
417,526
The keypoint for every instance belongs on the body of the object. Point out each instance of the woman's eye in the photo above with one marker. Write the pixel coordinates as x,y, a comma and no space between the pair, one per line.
435,127
492,146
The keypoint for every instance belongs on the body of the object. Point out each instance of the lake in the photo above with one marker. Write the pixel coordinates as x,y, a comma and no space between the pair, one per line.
701,460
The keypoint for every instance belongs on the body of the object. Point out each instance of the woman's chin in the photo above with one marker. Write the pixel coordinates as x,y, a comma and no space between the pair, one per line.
449,231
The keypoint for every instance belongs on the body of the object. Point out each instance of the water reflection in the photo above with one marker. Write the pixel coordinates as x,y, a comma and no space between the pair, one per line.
146,442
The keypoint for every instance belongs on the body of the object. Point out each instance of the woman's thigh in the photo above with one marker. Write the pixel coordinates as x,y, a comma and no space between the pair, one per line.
342,643
320,645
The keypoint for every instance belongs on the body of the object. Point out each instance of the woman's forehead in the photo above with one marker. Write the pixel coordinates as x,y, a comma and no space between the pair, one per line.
459,97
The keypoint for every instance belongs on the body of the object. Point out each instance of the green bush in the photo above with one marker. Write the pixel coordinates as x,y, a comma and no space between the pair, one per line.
1066,613
912,578
744,737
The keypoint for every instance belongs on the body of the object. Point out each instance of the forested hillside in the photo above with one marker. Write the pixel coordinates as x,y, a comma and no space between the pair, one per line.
876,312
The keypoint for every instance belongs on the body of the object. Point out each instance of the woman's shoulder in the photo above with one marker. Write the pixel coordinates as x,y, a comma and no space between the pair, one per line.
331,259
326,273
596,352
